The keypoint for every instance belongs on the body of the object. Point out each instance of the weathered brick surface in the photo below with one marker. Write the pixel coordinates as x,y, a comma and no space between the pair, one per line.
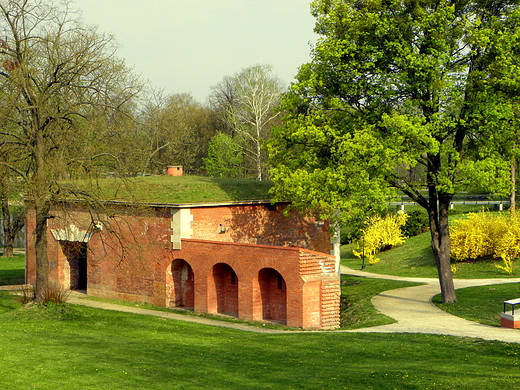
251,270
260,224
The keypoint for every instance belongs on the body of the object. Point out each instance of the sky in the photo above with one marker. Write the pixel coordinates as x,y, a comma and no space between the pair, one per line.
190,45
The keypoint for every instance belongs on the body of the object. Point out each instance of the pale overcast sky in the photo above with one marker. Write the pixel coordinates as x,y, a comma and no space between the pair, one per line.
190,45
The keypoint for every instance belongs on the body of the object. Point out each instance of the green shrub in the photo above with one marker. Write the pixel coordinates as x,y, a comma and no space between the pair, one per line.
416,223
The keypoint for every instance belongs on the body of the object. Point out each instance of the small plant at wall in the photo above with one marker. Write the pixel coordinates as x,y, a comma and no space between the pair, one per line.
27,294
380,233
55,295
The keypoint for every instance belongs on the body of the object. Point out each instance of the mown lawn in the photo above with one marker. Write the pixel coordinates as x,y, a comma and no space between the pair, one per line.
482,304
12,270
357,310
83,348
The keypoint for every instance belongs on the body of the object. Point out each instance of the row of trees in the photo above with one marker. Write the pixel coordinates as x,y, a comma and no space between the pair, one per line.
71,109
396,90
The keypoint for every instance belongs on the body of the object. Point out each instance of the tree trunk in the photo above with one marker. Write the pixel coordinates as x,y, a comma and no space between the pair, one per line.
512,197
439,230
42,263
8,239
258,160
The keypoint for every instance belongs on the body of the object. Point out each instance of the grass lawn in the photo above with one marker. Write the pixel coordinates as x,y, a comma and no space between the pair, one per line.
12,270
77,347
482,304
356,293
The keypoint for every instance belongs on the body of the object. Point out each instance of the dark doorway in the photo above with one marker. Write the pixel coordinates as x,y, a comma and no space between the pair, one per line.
183,283
76,253
274,295
226,283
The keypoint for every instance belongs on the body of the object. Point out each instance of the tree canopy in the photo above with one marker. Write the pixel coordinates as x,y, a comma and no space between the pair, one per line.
396,85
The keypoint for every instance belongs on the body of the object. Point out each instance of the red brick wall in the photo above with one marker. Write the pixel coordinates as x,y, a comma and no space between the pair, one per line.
260,224
131,259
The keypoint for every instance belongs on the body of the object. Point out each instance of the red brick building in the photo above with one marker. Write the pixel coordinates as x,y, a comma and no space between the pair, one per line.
243,259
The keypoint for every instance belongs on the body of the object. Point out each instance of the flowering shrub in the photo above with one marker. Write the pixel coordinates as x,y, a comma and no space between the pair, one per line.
380,233
485,235
477,236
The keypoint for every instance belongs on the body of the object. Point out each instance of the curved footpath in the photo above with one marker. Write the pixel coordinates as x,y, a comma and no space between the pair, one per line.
411,307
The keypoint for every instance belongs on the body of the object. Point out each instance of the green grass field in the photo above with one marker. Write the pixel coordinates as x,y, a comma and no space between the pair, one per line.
12,270
77,347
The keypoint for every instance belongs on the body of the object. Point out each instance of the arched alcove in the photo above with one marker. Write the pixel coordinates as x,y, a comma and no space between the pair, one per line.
226,286
182,285
273,290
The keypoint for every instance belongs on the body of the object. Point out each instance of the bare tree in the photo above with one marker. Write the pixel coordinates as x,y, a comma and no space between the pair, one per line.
55,72
178,130
247,103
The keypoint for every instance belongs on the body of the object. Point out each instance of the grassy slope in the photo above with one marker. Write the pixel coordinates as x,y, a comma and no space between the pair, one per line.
185,189
415,259
80,347
481,304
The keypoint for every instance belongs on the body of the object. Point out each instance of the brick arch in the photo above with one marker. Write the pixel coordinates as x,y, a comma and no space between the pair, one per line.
223,290
273,292
180,280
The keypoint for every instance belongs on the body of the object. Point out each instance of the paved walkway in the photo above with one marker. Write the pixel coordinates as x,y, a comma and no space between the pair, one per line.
411,307
77,298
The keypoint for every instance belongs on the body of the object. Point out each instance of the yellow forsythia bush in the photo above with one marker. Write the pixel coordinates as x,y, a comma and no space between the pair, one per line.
508,247
485,235
380,233
477,236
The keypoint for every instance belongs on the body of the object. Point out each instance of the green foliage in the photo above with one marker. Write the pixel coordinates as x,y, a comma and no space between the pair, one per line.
416,223
380,233
224,157
393,86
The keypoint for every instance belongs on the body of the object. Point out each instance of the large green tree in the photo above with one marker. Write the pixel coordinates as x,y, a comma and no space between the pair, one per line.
396,84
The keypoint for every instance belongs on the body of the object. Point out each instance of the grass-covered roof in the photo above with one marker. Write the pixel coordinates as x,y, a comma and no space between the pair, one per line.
179,190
